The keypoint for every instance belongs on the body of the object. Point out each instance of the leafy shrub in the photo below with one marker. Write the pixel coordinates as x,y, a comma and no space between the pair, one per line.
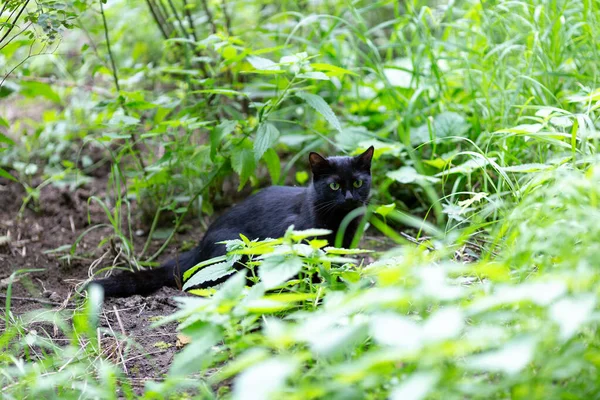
484,118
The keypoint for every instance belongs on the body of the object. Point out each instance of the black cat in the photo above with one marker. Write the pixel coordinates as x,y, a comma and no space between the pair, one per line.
339,185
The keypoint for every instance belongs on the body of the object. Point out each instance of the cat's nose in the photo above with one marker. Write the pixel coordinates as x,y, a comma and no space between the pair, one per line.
349,195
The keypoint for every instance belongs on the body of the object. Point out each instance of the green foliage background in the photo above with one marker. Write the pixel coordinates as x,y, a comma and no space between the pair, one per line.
484,116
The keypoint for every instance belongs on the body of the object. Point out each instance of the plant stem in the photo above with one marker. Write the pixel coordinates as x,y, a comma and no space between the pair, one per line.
157,19
227,19
209,16
210,180
179,21
110,54
188,15
14,23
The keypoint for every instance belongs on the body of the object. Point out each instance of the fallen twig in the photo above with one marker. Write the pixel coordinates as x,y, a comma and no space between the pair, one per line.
32,299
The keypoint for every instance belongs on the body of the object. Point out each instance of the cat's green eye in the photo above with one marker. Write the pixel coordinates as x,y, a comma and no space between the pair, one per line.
334,185
358,183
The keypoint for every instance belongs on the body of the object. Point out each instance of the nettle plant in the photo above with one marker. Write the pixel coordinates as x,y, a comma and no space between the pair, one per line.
271,264
413,324
293,76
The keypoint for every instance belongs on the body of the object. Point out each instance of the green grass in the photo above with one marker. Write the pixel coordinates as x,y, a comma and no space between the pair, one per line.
484,117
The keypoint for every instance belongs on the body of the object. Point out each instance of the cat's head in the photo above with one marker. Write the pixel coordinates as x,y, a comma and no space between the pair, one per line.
342,182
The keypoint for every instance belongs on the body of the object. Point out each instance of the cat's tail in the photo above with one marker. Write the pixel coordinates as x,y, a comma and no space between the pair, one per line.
148,281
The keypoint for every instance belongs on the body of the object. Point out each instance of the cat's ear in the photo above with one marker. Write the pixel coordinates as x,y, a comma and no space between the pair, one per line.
318,164
363,160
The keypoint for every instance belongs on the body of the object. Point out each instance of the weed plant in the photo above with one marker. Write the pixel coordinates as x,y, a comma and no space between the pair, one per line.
484,117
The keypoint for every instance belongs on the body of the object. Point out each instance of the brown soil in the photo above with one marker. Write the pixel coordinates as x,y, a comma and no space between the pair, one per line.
60,218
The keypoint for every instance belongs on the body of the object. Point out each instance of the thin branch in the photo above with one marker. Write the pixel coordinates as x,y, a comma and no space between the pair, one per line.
14,23
13,38
209,16
165,12
2,11
110,54
157,19
188,15
227,18
179,21
41,53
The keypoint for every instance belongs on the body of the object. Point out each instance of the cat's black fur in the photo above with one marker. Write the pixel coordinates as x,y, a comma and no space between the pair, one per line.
267,214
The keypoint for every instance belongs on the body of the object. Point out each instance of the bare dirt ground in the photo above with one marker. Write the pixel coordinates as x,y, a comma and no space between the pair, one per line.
25,242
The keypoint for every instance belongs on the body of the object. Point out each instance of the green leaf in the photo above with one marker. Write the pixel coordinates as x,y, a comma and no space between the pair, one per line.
467,167
510,358
320,76
335,250
263,63
321,107
216,135
264,380
244,163
6,175
196,355
122,119
273,165
275,270
523,129
338,339
36,89
385,209
300,235
332,70
266,135
8,87
187,274
408,174
302,177
6,139
527,168
571,313
415,387
209,274
399,77
290,297
443,125
264,72
3,123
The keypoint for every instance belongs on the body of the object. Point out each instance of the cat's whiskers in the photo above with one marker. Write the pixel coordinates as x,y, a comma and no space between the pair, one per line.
321,206
327,209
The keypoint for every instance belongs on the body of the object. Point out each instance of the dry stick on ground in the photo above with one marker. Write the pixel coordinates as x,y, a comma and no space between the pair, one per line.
32,299
118,343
